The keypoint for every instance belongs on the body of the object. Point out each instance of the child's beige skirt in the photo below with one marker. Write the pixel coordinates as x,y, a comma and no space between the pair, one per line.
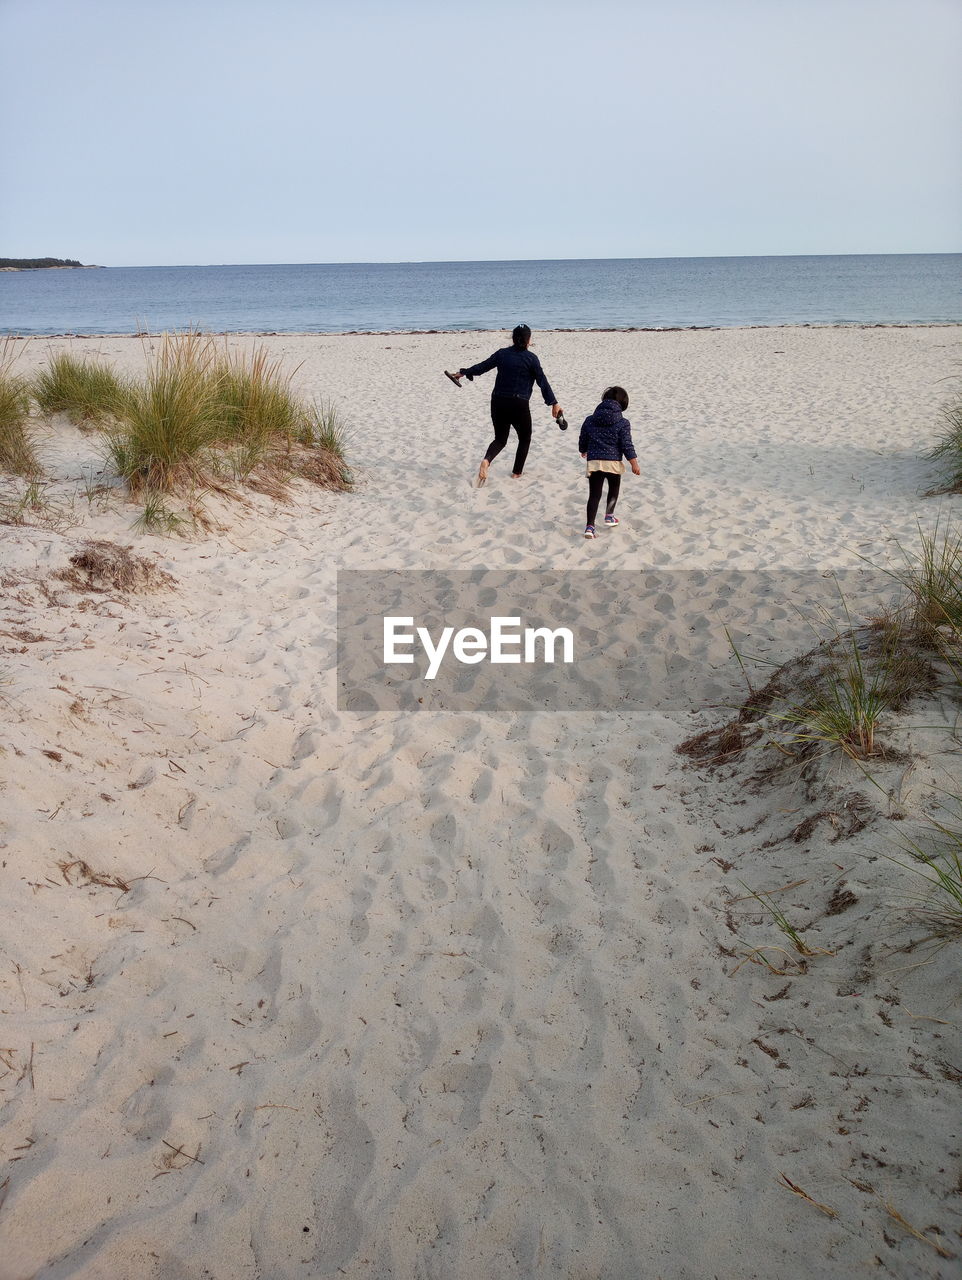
600,464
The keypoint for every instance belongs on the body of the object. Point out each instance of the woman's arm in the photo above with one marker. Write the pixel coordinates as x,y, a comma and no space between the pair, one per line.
483,367
549,396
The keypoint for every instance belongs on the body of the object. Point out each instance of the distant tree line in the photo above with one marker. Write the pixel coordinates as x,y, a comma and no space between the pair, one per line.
26,263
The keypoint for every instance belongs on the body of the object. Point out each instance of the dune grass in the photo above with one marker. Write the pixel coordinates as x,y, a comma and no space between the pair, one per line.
317,451
869,671
324,430
837,695
787,928
171,420
876,669
932,578
205,417
156,516
17,452
936,858
873,669
88,392
840,693
269,433
948,450
256,398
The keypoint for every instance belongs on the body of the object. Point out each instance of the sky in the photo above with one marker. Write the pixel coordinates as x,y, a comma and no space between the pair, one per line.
162,132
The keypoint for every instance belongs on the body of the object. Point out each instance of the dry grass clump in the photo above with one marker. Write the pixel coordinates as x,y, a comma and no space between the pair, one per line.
90,393
204,418
171,420
107,566
314,452
866,673
269,434
257,406
835,696
17,453
81,873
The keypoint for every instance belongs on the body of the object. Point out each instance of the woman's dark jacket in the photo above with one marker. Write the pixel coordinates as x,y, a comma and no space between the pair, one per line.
518,371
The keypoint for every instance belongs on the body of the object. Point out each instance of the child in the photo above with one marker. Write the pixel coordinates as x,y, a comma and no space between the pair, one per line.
605,436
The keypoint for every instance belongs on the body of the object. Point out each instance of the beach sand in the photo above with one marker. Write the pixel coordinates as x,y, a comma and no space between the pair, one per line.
294,991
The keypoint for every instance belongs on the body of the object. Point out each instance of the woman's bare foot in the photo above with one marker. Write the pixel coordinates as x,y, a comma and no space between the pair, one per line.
483,472
515,475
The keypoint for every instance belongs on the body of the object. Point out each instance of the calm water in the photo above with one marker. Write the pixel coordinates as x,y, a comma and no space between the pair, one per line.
571,294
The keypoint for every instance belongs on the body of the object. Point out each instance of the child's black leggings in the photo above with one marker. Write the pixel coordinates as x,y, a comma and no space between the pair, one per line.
508,412
596,482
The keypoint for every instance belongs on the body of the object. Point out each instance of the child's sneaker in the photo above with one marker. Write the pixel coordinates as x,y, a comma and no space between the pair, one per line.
611,521
590,531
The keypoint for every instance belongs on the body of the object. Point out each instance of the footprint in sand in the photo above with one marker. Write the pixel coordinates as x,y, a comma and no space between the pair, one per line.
144,1113
482,786
338,1225
361,899
444,830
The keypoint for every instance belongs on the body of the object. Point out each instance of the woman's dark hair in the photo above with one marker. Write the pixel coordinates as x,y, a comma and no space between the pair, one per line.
521,335
619,394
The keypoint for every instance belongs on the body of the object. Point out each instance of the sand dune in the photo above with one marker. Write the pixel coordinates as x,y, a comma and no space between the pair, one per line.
293,991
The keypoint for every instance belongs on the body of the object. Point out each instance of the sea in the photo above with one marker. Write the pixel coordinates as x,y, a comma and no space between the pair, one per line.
575,294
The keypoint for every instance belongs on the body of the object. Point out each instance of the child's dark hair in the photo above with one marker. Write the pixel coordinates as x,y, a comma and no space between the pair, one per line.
521,336
618,394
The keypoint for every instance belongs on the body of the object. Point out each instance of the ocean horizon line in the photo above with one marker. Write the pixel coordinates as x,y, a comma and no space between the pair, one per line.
463,262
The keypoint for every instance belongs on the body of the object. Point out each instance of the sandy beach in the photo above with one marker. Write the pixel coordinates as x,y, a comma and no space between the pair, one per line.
289,992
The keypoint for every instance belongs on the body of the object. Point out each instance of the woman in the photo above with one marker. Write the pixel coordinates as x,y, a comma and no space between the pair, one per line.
518,370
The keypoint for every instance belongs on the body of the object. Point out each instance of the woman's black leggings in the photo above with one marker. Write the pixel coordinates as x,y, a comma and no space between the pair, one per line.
508,412
596,482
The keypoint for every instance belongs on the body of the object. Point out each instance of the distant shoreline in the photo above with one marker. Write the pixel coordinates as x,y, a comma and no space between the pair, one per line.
45,264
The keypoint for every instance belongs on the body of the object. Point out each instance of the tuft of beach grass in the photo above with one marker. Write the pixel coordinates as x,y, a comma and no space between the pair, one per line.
206,418
932,577
257,403
270,434
157,517
948,450
171,420
87,391
869,672
936,859
17,452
